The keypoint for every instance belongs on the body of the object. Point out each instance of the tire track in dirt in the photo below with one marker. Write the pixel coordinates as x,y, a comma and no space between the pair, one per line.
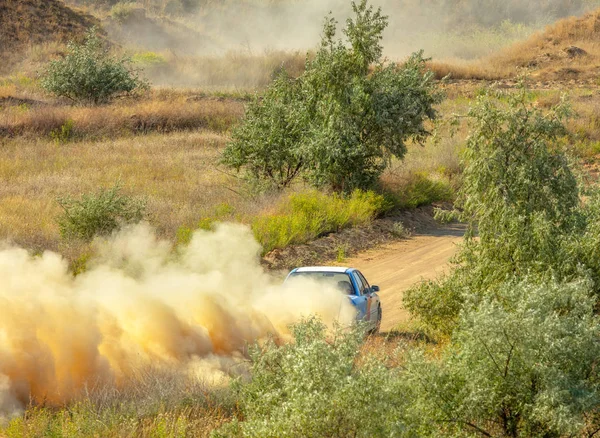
397,266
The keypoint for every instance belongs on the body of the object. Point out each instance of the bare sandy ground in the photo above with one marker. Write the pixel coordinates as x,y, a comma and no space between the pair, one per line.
398,266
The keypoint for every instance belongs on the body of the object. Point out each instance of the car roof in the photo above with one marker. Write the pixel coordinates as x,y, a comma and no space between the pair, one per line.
335,269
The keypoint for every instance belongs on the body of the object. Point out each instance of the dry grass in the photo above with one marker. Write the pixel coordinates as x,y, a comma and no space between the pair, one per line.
543,55
163,112
27,22
176,173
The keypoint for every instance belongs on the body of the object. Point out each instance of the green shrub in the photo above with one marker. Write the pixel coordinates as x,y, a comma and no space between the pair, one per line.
342,120
314,387
400,231
184,235
522,364
305,216
100,213
88,73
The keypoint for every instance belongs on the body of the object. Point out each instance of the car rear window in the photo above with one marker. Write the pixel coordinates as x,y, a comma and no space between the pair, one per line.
338,280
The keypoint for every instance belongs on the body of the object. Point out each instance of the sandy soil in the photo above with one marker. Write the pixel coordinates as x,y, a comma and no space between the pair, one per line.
397,266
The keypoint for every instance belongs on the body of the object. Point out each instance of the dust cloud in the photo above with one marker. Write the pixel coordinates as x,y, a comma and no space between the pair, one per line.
140,303
413,24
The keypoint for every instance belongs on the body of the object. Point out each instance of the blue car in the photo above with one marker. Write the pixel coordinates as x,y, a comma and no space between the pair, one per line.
351,282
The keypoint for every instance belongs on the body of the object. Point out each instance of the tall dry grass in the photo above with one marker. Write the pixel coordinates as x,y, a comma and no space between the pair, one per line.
177,174
543,55
164,112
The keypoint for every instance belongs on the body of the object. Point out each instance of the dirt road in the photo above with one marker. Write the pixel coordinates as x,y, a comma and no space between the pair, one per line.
398,266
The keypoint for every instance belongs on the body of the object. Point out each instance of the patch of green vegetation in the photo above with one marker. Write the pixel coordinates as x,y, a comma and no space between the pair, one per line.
521,199
312,387
148,59
423,190
341,253
98,214
80,264
63,134
305,216
400,231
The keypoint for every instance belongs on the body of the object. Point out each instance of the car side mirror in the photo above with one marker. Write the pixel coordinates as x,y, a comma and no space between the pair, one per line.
375,289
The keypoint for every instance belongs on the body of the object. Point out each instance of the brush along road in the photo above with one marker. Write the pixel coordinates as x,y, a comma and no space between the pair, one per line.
398,266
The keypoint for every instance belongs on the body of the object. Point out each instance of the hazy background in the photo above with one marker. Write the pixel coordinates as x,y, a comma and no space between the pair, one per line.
444,28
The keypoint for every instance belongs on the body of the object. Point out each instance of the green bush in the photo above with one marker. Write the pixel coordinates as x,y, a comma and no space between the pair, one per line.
100,213
314,387
342,120
305,216
88,73
522,364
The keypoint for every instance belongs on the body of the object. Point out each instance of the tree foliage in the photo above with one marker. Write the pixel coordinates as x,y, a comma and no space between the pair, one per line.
340,123
265,144
89,74
521,201
522,364
314,387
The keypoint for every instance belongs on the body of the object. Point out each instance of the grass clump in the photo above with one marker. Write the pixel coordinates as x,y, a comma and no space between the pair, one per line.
98,214
148,59
423,190
122,12
63,134
305,216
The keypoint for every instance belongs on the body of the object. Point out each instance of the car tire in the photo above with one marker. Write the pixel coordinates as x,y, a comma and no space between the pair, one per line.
379,318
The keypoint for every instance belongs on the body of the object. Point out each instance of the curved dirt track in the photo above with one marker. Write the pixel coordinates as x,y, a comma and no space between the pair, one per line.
397,266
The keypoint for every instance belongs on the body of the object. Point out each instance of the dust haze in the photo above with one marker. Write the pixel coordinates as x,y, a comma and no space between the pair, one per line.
142,303
291,25
242,44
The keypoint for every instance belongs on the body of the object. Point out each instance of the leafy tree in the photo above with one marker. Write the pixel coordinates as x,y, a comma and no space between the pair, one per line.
88,73
520,197
340,123
265,144
522,364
